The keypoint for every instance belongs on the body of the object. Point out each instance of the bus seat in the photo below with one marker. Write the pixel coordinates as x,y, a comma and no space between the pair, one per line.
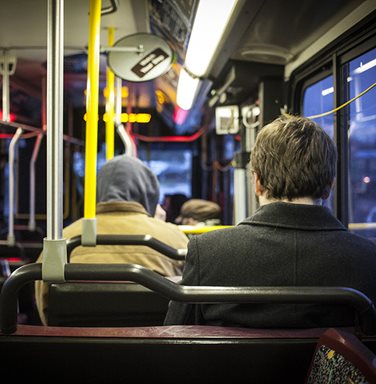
341,357
361,304
168,353
187,353
104,304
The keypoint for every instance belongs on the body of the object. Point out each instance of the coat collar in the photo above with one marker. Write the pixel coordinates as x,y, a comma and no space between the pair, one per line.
299,216
121,206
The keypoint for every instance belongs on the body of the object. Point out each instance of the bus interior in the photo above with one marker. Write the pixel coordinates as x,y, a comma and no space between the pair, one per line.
311,58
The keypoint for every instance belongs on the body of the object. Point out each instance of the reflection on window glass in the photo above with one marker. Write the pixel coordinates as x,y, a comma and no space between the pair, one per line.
173,168
317,99
362,141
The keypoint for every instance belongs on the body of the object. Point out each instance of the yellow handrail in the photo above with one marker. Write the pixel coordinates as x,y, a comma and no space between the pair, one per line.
196,230
92,110
110,104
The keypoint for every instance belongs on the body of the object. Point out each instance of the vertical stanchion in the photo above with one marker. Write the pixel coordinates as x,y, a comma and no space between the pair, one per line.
89,221
11,238
110,104
54,246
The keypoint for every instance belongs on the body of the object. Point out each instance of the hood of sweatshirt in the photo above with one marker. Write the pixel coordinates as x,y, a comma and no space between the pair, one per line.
126,178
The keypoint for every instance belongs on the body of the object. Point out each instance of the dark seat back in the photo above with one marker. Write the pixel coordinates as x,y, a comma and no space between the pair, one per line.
100,273
100,304
187,354
169,353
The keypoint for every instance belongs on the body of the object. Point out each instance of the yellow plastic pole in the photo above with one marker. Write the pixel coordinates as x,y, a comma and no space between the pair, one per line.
196,230
92,110
110,104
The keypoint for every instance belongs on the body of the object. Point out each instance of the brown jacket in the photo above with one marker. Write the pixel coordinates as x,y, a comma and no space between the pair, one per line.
116,218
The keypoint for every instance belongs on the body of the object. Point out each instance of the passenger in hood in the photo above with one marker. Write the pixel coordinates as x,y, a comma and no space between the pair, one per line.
126,178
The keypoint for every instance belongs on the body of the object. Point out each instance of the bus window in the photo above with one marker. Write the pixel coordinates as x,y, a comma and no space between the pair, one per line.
362,140
173,168
317,99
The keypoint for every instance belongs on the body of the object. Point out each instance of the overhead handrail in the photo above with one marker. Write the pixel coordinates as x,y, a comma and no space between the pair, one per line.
190,294
129,147
37,130
111,8
128,127
146,240
12,145
7,68
127,141
89,221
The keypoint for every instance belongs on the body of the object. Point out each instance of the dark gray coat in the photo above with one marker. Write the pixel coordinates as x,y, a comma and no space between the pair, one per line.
283,244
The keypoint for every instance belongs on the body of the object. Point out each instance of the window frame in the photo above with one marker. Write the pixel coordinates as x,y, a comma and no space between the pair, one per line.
331,61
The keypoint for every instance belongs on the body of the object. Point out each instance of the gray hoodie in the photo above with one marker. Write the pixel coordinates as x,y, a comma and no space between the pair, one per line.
126,178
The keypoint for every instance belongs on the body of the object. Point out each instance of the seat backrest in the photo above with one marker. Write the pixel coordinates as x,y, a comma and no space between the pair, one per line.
101,273
105,303
185,353
341,357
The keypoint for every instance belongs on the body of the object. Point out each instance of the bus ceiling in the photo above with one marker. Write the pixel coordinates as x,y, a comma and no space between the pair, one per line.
263,38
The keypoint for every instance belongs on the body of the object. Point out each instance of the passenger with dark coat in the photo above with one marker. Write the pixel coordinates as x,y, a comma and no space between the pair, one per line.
128,194
291,240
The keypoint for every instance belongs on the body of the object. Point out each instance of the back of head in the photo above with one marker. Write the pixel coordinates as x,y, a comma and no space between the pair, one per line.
293,158
172,204
126,178
200,210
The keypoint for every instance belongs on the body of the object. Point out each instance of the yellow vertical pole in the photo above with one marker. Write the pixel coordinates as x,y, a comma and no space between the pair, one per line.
91,140
110,104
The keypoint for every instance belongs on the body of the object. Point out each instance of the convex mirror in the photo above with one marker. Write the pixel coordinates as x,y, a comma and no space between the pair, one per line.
140,57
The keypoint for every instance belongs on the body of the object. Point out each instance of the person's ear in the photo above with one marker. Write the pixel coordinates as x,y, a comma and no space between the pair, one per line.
259,190
328,191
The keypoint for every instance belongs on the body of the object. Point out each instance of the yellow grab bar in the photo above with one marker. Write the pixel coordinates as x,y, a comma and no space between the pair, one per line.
110,104
196,230
92,110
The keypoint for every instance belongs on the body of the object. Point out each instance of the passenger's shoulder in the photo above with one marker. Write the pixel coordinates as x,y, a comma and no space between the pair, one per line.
224,234
170,226
172,231
362,242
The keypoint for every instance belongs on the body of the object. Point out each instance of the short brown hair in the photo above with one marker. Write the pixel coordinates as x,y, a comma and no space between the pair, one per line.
294,157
